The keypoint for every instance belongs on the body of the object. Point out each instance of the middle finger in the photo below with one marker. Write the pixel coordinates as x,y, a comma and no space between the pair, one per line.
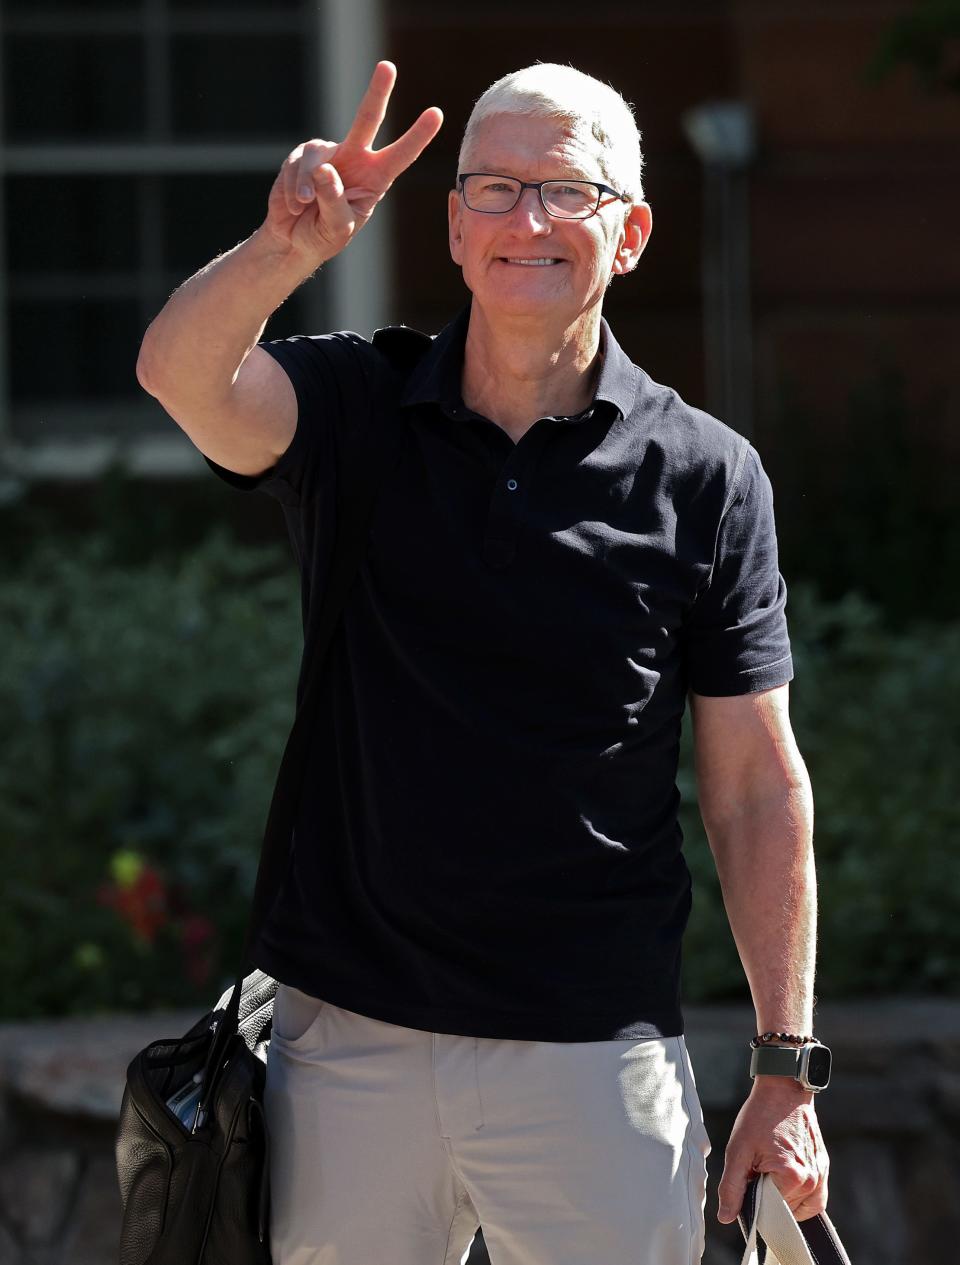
397,156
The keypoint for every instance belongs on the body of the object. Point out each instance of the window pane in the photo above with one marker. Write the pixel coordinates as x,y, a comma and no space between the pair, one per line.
79,85
75,224
73,351
220,5
203,216
70,6
251,85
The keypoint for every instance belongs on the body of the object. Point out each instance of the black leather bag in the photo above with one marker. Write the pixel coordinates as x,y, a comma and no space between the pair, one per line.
191,1145
200,1194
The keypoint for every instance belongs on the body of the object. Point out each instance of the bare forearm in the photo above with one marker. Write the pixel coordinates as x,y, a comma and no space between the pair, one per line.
194,348
757,807
764,857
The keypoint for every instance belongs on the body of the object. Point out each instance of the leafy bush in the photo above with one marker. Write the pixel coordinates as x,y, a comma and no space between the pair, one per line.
145,709
877,719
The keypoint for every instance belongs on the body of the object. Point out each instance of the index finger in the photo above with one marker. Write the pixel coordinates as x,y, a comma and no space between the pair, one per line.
372,108
398,156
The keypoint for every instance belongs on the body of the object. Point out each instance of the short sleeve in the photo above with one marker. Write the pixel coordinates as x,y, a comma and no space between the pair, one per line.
736,631
330,378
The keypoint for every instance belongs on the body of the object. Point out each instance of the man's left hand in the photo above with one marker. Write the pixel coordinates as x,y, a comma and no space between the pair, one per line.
776,1132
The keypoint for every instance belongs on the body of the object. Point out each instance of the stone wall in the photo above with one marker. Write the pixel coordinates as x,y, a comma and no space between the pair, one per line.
891,1121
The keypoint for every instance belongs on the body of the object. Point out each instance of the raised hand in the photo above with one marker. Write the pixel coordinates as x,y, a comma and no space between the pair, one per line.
325,192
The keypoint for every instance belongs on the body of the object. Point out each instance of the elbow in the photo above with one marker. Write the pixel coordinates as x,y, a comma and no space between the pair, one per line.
144,369
148,374
781,822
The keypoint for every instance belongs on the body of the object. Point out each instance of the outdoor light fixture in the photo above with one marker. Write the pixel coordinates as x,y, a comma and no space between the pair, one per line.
723,135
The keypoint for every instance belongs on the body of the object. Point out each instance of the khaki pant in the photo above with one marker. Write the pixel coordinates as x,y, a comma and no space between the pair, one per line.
389,1146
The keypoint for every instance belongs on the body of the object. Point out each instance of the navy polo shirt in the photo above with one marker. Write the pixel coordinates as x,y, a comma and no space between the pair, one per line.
487,842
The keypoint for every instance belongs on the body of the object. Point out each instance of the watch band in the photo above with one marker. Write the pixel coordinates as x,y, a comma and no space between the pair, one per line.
779,1060
774,1060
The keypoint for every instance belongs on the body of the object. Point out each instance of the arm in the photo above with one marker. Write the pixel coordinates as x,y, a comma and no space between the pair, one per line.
200,360
199,356
757,810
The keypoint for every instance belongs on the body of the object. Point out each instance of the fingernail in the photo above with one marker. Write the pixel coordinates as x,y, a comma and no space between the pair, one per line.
306,192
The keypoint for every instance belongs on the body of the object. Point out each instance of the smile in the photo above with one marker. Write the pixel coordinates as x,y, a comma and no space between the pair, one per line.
534,263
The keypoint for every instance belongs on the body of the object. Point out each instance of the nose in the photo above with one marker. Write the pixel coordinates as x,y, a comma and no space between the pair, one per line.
531,208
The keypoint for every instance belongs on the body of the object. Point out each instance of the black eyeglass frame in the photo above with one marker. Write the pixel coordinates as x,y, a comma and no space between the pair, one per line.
538,185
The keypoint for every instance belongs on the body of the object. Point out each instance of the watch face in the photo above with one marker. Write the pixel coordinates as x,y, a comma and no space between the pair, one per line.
818,1066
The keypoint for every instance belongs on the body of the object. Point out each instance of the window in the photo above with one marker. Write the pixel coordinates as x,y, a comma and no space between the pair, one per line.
139,139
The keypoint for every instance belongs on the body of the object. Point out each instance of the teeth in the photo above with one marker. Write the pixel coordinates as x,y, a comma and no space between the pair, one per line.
531,263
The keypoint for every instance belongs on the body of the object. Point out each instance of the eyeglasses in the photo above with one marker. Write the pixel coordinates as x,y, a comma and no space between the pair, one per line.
566,199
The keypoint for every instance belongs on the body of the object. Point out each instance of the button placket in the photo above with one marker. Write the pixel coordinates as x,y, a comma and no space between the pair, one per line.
507,503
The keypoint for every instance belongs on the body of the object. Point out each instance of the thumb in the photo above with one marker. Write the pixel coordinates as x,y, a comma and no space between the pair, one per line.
336,217
730,1192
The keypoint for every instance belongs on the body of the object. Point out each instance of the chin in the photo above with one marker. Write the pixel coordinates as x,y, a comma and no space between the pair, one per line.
519,300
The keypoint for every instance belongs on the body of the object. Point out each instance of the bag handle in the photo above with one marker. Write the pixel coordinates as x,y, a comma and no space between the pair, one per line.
364,465
774,1237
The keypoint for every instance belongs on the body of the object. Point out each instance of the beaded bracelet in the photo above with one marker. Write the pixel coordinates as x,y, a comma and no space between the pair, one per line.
764,1038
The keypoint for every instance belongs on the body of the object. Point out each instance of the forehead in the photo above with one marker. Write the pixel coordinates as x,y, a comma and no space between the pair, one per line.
517,145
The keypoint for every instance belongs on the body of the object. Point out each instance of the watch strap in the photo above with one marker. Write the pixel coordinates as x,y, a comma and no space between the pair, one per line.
774,1060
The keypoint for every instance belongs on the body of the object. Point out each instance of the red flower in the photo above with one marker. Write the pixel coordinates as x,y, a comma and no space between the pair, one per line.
142,904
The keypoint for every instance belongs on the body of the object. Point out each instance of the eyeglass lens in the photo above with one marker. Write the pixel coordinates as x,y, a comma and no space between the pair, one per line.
568,199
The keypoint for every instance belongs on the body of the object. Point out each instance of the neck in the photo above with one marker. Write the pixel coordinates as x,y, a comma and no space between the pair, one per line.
515,372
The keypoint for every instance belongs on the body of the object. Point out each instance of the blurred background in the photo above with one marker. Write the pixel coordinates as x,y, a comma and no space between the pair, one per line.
802,283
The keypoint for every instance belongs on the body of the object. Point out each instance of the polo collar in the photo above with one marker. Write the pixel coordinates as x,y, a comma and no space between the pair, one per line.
437,377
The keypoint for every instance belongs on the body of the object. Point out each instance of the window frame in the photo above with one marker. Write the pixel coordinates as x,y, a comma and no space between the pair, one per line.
344,39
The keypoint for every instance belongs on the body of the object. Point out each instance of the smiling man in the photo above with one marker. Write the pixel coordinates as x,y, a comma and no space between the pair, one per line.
537,258
478,938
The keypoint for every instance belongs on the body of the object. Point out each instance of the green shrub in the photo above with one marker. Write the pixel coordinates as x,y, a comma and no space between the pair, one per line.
146,706
145,711
877,718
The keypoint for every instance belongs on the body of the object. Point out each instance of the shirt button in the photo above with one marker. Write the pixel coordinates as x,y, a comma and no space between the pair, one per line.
512,484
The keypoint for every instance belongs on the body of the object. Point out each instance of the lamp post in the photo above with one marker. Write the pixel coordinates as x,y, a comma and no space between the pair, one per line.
723,135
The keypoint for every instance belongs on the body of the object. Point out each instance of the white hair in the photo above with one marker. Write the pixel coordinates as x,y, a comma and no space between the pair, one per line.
547,90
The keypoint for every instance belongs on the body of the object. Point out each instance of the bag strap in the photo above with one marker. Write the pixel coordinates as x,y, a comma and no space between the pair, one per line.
364,465
774,1237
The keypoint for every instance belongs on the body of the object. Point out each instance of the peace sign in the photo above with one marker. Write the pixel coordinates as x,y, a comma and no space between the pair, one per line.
325,192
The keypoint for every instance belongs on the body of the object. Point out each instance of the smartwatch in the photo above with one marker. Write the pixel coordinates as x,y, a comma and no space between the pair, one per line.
809,1065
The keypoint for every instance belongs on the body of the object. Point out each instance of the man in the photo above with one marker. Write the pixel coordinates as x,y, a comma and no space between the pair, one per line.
478,936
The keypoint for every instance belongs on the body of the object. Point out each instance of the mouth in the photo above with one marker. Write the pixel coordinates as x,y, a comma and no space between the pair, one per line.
531,261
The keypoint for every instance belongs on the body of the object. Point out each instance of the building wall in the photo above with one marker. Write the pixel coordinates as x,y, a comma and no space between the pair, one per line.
137,139
852,197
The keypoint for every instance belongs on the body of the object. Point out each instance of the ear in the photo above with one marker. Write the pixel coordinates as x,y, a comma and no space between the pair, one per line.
455,226
634,236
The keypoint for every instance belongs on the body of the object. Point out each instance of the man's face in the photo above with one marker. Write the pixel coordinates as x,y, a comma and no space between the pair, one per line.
494,250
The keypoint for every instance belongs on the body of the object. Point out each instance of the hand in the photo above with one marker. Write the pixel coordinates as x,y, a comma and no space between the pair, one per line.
325,192
776,1132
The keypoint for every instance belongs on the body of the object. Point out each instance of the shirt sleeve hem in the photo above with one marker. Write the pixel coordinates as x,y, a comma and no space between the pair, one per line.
766,676
287,460
256,482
